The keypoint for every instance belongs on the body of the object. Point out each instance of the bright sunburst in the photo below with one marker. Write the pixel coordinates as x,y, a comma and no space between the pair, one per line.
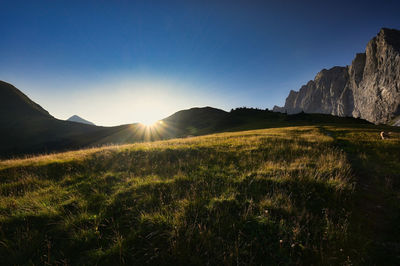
152,123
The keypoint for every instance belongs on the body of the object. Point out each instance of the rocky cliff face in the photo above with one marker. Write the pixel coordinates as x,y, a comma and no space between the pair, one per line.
369,88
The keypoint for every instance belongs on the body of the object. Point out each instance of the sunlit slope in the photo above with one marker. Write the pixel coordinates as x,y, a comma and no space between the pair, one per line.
27,128
287,195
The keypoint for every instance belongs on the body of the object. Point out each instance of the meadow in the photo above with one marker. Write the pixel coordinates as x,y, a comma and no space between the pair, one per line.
293,195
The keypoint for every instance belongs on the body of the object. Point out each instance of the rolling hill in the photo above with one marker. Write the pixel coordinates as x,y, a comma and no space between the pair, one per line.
295,189
26,128
16,106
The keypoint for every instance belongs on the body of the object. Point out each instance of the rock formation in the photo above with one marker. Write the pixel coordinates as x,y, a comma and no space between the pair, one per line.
369,88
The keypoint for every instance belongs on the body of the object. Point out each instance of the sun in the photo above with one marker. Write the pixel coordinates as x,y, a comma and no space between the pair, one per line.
151,123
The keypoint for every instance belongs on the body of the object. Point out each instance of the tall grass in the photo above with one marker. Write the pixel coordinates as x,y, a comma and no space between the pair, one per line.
275,196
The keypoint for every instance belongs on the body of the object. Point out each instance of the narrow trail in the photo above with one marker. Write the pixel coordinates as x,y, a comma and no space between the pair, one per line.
374,215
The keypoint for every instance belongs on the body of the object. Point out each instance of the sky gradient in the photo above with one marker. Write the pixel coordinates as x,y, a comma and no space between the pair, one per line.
118,62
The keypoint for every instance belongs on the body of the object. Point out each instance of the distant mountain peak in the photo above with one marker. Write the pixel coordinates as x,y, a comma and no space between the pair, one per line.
79,119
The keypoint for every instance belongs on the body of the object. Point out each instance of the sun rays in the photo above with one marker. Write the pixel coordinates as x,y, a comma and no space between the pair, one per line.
158,130
151,123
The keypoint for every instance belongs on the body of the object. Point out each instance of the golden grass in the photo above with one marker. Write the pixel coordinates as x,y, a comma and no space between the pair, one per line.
213,199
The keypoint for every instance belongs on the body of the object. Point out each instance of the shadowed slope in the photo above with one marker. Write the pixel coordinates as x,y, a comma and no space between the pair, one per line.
16,106
195,121
27,128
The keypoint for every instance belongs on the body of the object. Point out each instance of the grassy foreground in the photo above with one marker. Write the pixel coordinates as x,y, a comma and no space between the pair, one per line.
296,195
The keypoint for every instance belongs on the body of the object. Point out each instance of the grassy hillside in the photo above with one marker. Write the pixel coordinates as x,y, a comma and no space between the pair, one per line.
312,194
26,128
38,134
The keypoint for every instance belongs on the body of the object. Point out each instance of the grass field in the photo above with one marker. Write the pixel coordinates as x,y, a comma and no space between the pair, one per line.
295,195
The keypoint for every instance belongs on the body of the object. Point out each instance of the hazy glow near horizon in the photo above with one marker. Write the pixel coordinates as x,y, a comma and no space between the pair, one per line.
122,100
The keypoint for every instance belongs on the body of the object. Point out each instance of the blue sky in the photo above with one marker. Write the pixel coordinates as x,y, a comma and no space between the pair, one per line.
116,62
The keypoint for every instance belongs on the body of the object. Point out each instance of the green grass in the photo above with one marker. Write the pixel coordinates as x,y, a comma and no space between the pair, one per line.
263,197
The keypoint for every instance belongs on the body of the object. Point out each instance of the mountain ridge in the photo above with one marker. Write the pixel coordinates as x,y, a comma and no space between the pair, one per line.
29,129
369,88
23,106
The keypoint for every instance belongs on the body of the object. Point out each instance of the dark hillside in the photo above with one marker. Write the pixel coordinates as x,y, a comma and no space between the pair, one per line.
14,105
26,128
195,121
251,118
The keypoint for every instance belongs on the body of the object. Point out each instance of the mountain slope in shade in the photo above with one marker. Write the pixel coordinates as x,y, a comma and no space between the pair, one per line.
369,88
26,128
16,106
194,121
79,119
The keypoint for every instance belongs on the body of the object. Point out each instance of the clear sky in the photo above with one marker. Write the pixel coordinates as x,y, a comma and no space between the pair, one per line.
117,62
